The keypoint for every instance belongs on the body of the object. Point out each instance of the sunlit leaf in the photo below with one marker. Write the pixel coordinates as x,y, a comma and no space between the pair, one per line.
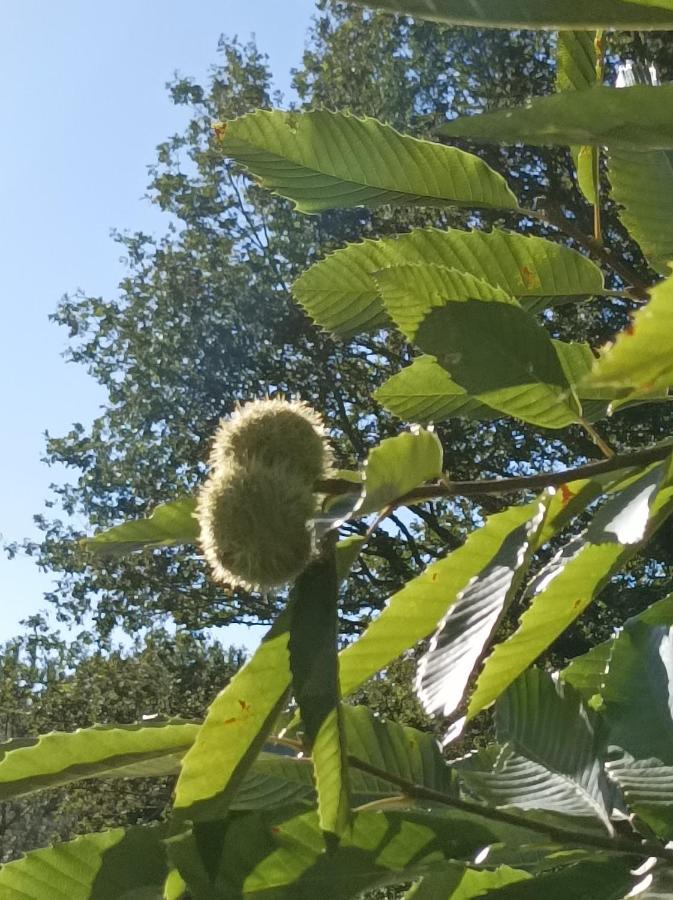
415,611
457,882
237,724
424,392
110,865
631,118
122,751
641,359
397,466
575,576
324,160
340,294
170,524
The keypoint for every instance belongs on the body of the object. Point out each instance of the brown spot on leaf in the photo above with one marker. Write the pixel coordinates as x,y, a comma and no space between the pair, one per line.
566,494
529,278
244,705
230,721
219,129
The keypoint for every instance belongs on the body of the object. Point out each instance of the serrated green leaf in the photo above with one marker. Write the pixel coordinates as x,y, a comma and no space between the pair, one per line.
546,723
415,611
599,879
492,348
575,576
315,682
637,694
122,751
631,118
641,359
170,524
236,726
458,882
647,786
325,160
110,865
586,673
340,294
277,852
642,184
424,392
456,647
576,70
398,749
550,14
397,466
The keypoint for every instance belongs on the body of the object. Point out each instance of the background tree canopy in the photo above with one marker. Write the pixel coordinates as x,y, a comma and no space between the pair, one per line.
204,317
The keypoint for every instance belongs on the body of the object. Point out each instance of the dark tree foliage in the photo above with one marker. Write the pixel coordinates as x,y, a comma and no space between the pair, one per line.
46,686
204,318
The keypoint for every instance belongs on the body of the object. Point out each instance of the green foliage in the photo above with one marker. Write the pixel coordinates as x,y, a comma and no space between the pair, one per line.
336,800
325,160
169,524
554,14
632,118
640,358
341,294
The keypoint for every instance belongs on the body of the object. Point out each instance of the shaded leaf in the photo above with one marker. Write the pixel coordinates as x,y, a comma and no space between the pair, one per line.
398,749
237,724
122,751
492,348
546,722
471,621
586,673
599,879
424,392
397,466
340,294
642,184
647,786
631,118
315,683
110,865
637,692
324,160
285,856
574,577
576,70
170,524
551,14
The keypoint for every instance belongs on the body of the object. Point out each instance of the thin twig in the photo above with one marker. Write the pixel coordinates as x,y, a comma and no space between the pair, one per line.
574,838
495,486
598,440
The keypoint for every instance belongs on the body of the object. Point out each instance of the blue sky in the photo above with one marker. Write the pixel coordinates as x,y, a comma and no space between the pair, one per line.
83,100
